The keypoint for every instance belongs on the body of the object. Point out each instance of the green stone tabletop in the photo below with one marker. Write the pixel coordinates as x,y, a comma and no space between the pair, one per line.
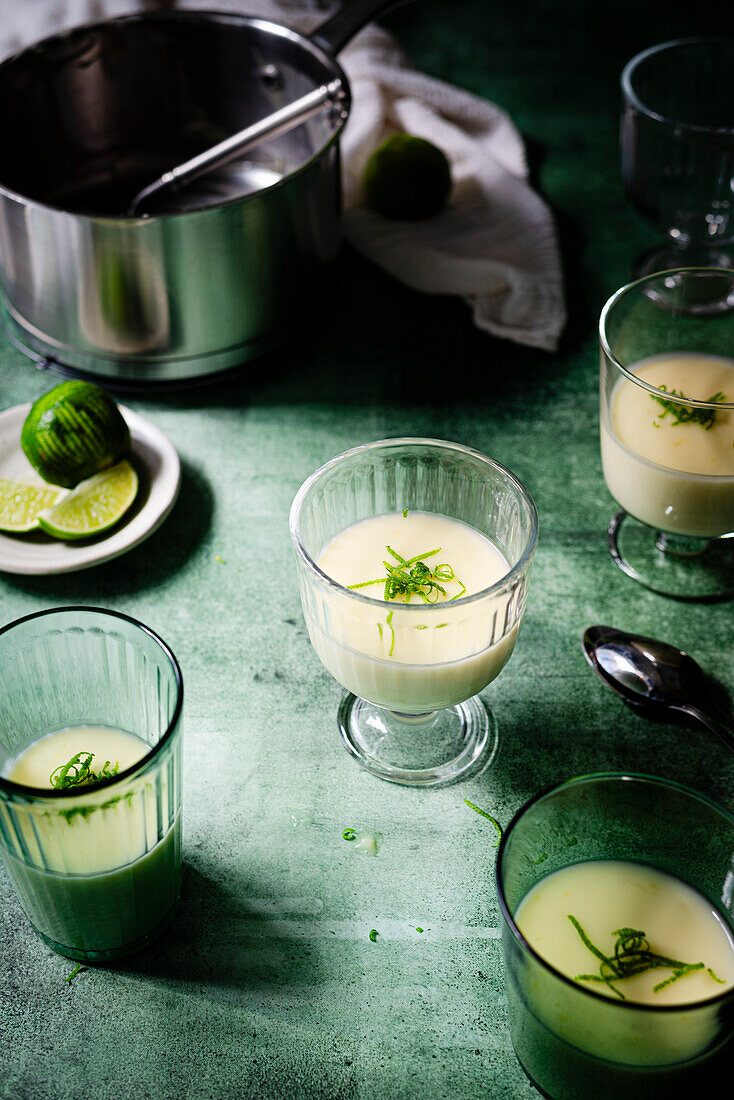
267,984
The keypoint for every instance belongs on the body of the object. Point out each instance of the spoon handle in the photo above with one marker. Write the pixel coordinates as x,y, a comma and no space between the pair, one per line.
710,723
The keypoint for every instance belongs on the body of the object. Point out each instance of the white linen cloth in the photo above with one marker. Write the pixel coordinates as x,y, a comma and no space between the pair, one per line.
494,244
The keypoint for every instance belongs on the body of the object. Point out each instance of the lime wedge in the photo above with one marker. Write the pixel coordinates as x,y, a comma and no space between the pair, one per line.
94,506
20,504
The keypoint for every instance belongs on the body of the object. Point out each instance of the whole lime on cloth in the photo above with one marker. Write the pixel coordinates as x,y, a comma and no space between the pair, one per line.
406,177
72,432
94,506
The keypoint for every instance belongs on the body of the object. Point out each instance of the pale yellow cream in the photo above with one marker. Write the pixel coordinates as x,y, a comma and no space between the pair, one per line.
677,478
423,658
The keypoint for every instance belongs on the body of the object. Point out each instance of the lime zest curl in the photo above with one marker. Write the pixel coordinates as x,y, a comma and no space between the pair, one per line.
77,772
489,817
632,955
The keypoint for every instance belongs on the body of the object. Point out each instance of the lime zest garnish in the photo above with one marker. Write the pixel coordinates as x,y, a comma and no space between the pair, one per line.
489,817
77,969
419,929
349,834
687,414
374,934
412,577
632,955
77,772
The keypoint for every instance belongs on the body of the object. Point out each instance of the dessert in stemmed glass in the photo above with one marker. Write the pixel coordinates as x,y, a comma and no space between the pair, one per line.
414,558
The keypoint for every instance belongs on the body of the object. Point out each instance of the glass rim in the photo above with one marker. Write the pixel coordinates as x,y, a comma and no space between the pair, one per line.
630,375
634,100
44,793
579,780
272,26
499,586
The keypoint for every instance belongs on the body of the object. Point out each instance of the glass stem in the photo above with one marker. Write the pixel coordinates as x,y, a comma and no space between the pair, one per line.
681,546
412,719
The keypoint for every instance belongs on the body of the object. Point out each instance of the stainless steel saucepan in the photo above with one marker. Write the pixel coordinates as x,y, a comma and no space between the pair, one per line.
223,274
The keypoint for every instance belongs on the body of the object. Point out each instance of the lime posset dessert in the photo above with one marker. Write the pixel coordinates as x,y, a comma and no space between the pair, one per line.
618,940
108,878
401,660
629,931
414,559
671,465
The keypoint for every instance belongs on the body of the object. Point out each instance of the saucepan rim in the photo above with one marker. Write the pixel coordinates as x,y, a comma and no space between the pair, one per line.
270,26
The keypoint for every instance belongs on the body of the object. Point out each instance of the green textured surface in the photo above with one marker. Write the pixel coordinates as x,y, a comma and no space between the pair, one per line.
267,983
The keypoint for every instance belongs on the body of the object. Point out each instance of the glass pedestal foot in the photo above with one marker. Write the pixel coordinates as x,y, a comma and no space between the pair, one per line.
419,750
677,294
697,570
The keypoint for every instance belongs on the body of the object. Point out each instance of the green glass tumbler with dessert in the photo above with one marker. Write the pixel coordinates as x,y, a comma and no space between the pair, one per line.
90,779
618,939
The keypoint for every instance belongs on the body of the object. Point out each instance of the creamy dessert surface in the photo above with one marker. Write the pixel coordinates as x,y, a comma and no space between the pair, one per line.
34,765
648,428
606,895
357,553
413,657
672,468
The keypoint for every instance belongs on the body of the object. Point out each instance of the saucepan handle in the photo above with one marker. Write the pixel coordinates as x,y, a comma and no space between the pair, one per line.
340,29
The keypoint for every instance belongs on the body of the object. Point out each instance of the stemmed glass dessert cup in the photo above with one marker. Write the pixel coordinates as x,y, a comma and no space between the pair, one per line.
677,153
97,868
413,671
573,1042
667,433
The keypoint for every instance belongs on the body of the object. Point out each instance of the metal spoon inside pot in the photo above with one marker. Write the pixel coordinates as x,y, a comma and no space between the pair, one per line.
651,674
232,148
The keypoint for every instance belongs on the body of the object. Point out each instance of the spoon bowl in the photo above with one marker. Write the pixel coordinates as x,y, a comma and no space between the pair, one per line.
651,674
644,671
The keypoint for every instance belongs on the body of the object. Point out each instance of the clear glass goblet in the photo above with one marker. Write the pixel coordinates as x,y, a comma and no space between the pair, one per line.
677,152
667,433
412,713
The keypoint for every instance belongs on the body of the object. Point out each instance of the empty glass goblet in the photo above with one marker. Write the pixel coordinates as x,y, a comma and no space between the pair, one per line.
677,151
667,433
413,662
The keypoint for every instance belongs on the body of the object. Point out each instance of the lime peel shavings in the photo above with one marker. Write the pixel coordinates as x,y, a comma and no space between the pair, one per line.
412,577
632,955
687,414
77,970
374,934
489,817
77,772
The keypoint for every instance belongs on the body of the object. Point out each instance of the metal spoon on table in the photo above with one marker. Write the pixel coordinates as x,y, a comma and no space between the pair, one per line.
651,674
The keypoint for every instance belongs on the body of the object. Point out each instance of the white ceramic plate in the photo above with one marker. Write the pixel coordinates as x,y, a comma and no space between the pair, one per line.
159,470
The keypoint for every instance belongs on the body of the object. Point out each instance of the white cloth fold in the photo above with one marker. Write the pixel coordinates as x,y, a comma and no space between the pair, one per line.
494,244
